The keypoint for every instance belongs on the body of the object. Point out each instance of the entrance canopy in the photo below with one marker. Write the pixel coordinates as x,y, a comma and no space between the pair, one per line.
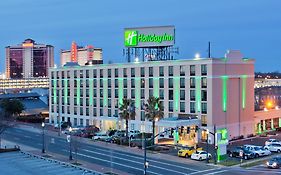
176,122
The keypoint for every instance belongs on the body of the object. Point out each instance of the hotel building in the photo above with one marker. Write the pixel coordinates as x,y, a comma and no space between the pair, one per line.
28,60
199,92
81,55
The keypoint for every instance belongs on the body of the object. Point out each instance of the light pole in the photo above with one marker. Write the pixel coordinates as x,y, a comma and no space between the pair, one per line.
43,137
207,158
70,149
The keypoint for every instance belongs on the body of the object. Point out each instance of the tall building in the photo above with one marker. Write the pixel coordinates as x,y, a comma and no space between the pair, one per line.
29,59
196,92
81,55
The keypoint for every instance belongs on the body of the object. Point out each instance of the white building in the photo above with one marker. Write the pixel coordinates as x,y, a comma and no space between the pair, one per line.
195,92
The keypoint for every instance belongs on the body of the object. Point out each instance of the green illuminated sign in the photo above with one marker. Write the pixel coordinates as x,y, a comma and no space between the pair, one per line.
149,36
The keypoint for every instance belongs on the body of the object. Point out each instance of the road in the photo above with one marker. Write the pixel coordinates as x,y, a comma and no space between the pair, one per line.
124,160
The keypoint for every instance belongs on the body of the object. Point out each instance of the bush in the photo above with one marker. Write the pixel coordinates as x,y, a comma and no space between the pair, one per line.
250,135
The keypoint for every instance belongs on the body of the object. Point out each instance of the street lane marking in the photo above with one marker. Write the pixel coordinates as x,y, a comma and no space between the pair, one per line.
141,158
117,163
217,172
134,161
205,171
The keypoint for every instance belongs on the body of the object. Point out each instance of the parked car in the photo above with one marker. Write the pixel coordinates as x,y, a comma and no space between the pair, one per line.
257,150
274,147
274,162
133,133
64,125
187,151
101,136
271,141
246,154
200,155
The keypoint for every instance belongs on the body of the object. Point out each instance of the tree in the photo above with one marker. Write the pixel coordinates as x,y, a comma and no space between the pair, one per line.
11,107
154,112
127,112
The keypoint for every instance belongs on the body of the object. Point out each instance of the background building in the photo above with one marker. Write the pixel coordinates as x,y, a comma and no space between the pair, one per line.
29,59
197,92
82,55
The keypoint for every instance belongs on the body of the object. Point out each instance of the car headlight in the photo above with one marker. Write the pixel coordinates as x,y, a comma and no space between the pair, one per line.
274,164
267,163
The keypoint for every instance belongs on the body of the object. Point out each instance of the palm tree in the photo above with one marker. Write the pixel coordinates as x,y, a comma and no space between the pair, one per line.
127,112
154,111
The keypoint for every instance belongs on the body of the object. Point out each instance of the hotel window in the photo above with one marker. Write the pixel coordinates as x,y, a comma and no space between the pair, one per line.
95,82
161,71
171,94
125,72
101,92
116,83
109,103
192,95
75,74
192,82
182,71
81,110
142,83
116,93
192,107
132,93
116,72
182,107
109,112
142,93
132,83
192,70
125,83
109,83
182,82
204,95
151,71
95,112
142,72
87,122
95,92
170,106
95,73
161,83
150,83
171,70
161,94
204,82
142,116
204,120
125,93
108,72
101,112
87,73
101,102
101,83
171,83
75,110
115,113
133,72
75,121
203,69
182,94
81,121
95,102
109,93
204,108
101,73
150,93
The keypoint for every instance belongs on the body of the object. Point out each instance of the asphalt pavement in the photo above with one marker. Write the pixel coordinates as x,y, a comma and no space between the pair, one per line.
125,160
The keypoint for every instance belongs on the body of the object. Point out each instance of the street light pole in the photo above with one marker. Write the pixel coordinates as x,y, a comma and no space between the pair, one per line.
70,140
207,158
43,137
145,162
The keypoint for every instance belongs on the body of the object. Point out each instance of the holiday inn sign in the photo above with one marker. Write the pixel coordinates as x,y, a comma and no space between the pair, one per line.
149,36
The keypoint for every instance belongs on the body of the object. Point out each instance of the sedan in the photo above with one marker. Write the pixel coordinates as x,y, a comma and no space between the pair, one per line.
275,147
271,141
200,155
274,162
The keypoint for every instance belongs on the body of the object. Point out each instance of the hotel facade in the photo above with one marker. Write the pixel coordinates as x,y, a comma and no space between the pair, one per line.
199,92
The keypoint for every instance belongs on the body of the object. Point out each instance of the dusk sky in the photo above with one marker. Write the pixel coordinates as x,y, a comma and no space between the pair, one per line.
252,26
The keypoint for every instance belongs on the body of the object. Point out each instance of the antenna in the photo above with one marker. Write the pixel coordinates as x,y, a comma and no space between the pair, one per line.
209,49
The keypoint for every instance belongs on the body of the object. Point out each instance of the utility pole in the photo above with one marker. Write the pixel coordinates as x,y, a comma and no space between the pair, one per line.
145,162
